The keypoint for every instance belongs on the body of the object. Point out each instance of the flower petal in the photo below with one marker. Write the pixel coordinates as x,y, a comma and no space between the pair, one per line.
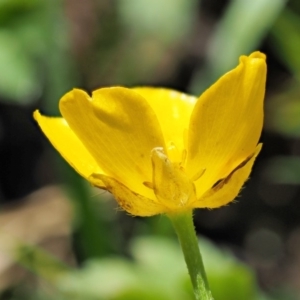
226,122
130,201
119,128
173,110
68,145
227,189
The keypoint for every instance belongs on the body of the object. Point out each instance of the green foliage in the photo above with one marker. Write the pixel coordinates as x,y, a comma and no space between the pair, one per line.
228,278
156,271
28,30
283,110
134,48
239,32
140,38
40,262
286,38
167,21
12,9
19,33
148,276
283,170
20,82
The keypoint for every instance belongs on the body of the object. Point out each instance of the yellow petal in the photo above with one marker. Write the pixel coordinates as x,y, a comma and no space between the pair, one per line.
119,128
226,122
227,189
173,110
171,185
130,201
67,144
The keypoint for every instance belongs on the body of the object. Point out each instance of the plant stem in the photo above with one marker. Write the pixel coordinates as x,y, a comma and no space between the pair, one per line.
184,227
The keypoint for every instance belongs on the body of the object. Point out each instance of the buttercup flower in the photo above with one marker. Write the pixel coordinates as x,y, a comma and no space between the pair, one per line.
161,151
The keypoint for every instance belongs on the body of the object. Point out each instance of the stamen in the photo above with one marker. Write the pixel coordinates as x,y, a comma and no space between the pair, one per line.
198,174
170,183
183,157
148,184
173,152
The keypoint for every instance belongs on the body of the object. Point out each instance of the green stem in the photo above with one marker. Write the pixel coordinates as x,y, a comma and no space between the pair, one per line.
184,227
91,231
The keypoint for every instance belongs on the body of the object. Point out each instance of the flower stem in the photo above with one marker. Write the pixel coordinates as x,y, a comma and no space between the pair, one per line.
184,227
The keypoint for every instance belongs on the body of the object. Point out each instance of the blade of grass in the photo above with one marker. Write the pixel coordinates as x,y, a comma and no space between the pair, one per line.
60,76
243,26
286,38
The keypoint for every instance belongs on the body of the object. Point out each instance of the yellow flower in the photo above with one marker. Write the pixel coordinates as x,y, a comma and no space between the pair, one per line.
161,151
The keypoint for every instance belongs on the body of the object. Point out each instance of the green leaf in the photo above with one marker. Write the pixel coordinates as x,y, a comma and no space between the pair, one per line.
284,110
158,272
283,170
19,80
40,262
12,10
228,278
167,20
239,32
286,38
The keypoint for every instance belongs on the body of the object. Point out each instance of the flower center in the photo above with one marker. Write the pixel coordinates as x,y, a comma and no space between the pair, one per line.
171,185
174,154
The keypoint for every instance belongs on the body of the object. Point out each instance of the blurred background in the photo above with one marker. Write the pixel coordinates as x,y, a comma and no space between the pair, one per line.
61,238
